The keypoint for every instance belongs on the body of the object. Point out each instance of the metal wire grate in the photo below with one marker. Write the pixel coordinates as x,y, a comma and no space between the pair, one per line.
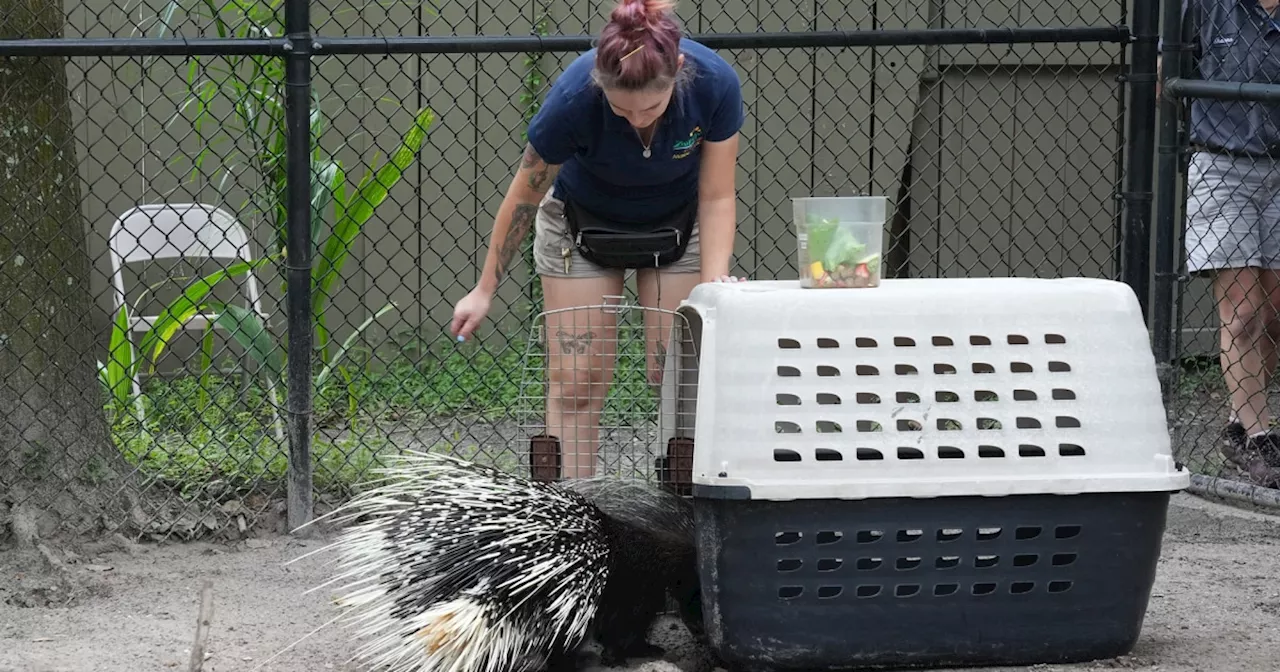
593,380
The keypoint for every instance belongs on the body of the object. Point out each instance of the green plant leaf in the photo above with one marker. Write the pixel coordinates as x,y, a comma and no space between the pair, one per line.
120,361
187,305
322,337
163,19
348,343
206,363
102,376
249,331
354,212
216,15
327,184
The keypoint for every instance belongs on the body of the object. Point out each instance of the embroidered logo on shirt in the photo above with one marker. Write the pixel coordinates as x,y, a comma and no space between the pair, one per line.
684,148
1224,41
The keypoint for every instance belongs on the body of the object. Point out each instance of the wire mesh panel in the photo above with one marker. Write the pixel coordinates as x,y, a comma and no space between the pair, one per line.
155,372
598,392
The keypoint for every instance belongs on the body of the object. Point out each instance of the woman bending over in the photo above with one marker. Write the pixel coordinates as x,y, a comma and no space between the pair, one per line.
630,164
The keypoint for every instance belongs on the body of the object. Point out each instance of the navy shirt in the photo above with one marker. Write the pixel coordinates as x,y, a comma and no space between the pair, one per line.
1234,41
602,163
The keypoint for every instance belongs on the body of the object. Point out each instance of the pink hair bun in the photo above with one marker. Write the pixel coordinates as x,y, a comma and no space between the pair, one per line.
640,46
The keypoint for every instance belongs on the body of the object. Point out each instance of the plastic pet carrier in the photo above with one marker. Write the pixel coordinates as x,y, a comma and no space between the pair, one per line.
929,473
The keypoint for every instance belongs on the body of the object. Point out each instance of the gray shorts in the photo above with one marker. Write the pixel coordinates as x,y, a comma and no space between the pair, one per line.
551,240
1233,212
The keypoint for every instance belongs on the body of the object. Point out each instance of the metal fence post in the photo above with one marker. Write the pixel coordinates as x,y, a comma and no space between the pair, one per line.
1136,244
1167,228
298,52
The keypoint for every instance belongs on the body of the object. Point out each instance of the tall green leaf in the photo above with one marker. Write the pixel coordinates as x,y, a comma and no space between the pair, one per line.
346,345
327,182
206,363
247,328
120,362
187,305
355,211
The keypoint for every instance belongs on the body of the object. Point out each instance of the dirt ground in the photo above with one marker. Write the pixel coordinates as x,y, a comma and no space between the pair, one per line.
1214,607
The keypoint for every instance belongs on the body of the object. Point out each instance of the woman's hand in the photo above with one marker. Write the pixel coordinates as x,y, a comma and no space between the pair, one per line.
469,312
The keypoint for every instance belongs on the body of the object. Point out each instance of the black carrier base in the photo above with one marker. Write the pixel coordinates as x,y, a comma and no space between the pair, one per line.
953,581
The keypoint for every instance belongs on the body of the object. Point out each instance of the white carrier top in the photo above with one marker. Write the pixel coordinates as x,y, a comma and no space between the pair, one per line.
927,388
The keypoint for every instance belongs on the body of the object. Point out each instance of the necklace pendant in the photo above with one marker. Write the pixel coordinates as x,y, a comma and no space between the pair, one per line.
646,152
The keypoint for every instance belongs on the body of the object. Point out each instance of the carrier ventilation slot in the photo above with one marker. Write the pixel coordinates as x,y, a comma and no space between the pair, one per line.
975,340
913,590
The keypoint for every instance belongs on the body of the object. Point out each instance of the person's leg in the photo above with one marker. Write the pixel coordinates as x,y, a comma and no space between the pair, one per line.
1222,240
1241,304
1269,232
580,345
581,349
1259,455
1270,340
664,289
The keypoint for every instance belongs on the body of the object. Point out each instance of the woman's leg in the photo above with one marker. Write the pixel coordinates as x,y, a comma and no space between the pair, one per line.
581,347
1243,308
1270,280
663,289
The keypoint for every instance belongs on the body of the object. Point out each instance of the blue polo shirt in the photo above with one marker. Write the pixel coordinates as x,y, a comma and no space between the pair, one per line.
601,157
1234,41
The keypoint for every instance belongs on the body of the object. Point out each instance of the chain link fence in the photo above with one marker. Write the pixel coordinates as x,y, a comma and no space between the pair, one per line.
190,310
1218,169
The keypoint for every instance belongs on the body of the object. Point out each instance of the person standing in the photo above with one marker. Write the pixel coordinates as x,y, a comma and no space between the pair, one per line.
630,164
1233,214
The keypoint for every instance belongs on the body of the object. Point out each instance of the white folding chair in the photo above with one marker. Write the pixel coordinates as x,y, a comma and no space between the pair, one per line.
189,231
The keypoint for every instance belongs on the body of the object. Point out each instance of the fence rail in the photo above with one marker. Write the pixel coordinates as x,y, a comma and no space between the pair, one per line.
1022,149
501,44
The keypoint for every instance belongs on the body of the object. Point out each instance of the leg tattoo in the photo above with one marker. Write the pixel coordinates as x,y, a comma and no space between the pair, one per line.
659,363
578,344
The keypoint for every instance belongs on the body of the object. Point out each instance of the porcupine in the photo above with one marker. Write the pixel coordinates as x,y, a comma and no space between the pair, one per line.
460,567
651,537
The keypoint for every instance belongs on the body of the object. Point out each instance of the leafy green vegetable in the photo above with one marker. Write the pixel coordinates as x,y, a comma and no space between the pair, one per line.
844,249
836,245
838,258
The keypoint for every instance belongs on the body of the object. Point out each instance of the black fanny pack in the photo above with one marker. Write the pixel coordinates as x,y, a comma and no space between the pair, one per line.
617,244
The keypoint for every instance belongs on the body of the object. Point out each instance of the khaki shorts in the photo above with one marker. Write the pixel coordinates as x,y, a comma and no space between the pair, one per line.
1233,213
551,239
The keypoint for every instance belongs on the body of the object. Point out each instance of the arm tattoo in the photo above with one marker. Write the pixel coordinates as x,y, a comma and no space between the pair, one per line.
530,158
539,171
521,222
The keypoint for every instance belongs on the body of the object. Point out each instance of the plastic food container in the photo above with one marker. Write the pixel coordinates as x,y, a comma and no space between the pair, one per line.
839,240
